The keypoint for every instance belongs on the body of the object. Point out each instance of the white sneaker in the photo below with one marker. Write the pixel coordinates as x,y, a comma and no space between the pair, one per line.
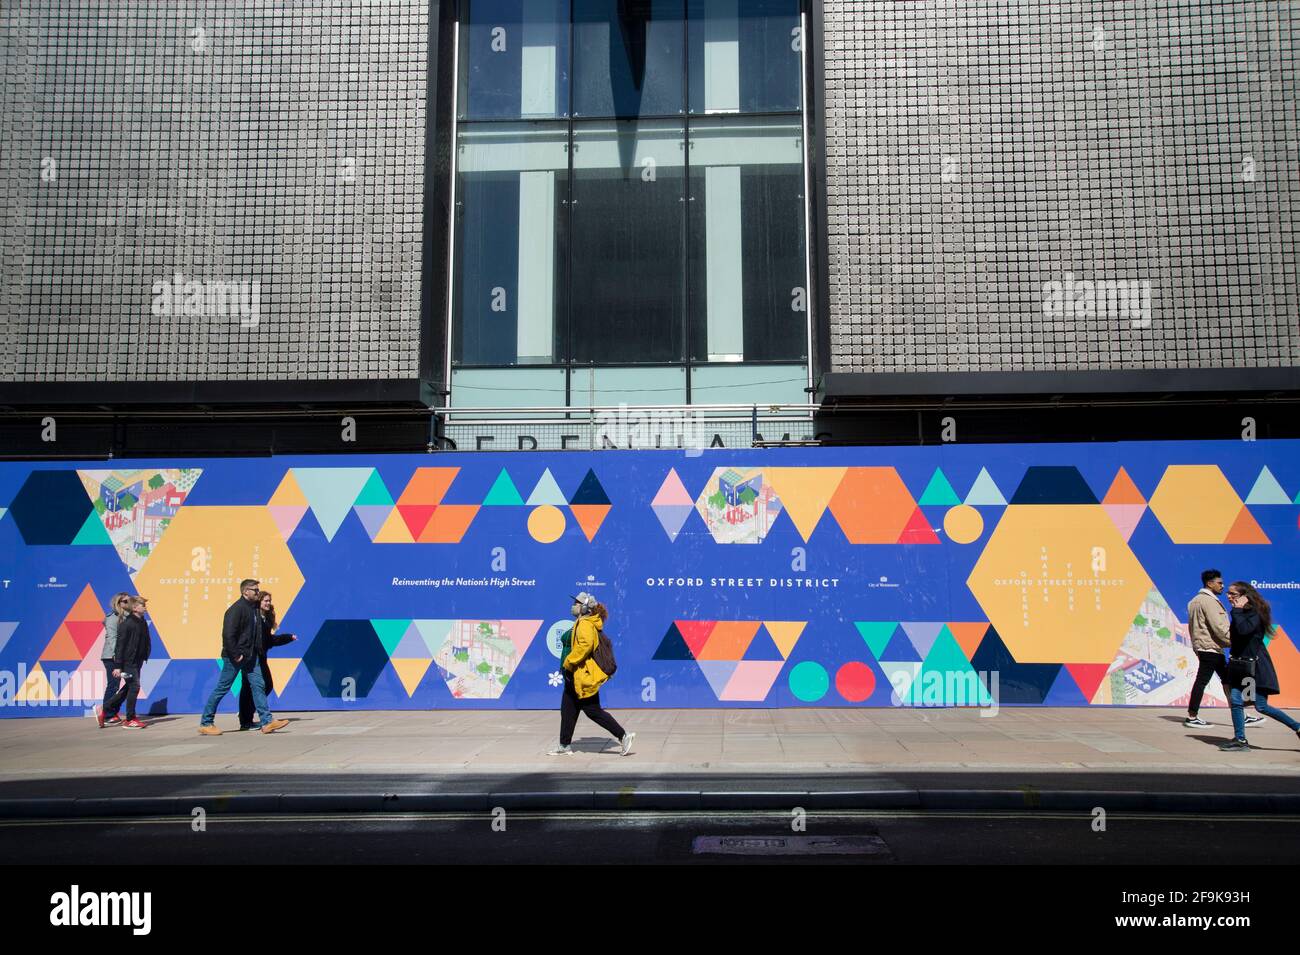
626,741
561,751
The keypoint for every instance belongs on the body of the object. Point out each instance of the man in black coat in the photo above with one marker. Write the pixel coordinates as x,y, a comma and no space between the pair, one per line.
243,642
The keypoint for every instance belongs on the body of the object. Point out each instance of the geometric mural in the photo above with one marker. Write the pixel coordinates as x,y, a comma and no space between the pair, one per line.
951,575
740,659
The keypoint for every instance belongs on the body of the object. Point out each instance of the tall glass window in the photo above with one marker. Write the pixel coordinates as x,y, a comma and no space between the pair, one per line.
630,208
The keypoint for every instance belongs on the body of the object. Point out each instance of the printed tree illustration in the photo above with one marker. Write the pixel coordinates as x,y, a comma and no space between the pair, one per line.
747,496
718,500
156,482
484,668
128,502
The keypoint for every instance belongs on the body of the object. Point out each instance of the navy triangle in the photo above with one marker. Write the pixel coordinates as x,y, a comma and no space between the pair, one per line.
673,646
1065,692
900,649
1017,682
589,491
763,647
1054,485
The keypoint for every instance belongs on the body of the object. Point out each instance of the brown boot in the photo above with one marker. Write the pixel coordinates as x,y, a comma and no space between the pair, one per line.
209,731
275,725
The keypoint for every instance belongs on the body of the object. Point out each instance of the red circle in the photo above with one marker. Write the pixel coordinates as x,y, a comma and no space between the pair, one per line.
855,681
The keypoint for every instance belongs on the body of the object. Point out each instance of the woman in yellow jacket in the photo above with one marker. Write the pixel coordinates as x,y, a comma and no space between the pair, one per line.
583,678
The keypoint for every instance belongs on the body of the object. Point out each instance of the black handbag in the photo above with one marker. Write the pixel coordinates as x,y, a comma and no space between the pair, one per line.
1240,669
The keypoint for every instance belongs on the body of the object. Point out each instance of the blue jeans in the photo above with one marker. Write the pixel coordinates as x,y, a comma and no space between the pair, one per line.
1261,707
111,685
252,676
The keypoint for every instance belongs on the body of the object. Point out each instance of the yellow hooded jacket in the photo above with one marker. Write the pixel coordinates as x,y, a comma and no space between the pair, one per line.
587,677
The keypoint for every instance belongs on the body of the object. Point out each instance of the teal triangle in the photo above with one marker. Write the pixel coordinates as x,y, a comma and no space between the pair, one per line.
375,491
547,491
984,491
961,685
876,634
435,633
1265,491
92,532
331,492
763,647
939,491
900,650
590,491
390,632
1064,691
503,492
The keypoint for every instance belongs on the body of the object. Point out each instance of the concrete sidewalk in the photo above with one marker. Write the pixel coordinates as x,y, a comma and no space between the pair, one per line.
332,761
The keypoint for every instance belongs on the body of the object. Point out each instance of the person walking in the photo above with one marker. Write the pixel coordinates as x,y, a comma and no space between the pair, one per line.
119,607
242,644
1251,674
267,609
583,678
129,657
1207,624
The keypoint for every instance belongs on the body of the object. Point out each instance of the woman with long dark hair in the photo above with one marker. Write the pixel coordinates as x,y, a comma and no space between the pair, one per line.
1251,674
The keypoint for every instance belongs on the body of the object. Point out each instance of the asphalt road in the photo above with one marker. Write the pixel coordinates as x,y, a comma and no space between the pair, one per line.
703,837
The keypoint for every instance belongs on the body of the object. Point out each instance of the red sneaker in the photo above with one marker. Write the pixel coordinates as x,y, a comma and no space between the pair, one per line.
113,720
133,725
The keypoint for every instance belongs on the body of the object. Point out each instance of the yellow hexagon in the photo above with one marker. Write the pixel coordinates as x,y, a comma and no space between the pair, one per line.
1195,504
193,575
1059,583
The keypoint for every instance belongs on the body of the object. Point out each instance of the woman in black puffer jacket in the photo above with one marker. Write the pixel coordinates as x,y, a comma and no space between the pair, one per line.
1252,621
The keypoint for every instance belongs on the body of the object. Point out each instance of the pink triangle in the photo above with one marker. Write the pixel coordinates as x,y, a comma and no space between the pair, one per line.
286,517
521,633
1126,517
672,491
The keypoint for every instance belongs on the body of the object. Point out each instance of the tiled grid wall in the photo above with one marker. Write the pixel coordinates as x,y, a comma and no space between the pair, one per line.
229,140
979,149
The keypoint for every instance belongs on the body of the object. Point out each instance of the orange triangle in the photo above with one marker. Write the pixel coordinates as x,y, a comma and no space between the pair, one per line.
427,486
394,531
84,634
411,672
449,524
1123,491
1286,661
1246,530
417,517
968,636
729,640
918,530
1088,676
282,670
288,494
785,634
61,646
589,517
695,633
87,607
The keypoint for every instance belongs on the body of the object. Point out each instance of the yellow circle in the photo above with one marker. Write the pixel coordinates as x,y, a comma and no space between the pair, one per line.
963,524
546,523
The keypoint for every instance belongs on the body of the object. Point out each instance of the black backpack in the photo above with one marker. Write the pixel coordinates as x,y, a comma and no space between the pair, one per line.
604,653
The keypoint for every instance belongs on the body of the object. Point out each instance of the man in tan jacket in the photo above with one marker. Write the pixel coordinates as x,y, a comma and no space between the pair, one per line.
1207,624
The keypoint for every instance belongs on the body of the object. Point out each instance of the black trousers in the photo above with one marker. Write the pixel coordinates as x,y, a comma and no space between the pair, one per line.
1211,663
129,690
571,706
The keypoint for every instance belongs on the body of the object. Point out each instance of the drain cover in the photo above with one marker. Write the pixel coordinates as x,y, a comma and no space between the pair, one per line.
790,845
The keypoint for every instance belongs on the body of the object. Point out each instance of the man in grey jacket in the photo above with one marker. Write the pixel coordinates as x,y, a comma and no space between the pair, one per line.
1207,624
